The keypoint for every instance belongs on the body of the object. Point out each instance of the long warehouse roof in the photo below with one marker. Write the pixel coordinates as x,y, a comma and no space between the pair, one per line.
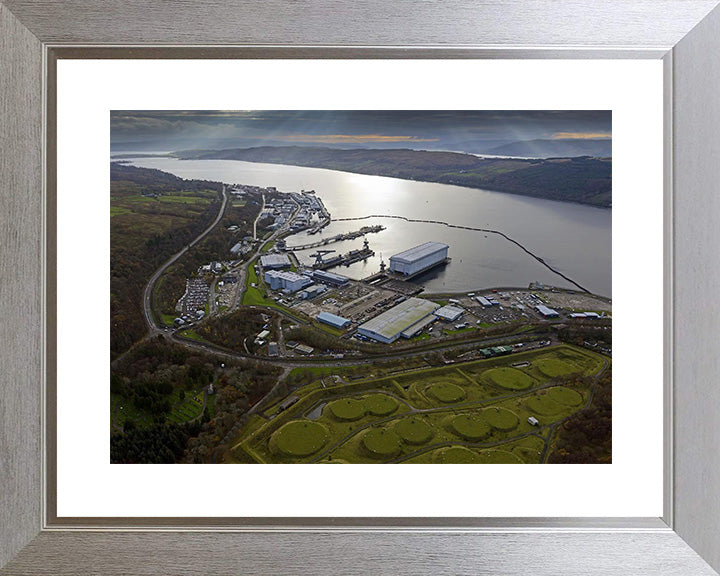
418,252
400,317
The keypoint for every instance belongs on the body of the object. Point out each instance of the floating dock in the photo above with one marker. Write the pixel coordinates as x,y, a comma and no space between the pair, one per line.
345,259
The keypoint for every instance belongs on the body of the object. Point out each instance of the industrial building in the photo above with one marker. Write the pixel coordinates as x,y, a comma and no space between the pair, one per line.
546,312
330,278
585,315
311,291
333,320
275,261
419,258
449,313
418,327
290,281
388,326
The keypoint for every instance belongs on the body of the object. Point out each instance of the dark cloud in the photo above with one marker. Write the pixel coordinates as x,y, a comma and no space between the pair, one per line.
467,130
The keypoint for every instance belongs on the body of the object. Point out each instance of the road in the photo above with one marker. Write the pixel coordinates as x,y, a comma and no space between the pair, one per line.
262,209
221,352
242,270
149,287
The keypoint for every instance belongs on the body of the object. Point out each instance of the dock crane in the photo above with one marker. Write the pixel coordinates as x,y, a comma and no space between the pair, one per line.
319,256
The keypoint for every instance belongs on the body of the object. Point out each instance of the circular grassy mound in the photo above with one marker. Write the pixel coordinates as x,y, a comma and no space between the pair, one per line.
499,457
500,418
553,367
381,443
470,427
447,392
455,455
543,405
565,396
509,378
380,404
300,438
347,409
414,430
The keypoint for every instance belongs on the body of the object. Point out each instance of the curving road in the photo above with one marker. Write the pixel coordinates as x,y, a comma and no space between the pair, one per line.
147,294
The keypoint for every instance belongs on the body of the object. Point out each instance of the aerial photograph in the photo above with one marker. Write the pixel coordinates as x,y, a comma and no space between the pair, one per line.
361,286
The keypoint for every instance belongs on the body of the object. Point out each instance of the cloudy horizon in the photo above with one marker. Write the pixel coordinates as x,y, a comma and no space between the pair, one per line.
465,131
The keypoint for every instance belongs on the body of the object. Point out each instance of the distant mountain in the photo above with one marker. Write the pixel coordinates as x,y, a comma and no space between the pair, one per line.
554,148
583,179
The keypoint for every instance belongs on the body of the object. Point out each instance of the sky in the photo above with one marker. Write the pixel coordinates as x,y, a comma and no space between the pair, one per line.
466,131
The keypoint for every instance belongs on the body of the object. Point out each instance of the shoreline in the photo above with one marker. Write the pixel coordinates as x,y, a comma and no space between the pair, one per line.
172,155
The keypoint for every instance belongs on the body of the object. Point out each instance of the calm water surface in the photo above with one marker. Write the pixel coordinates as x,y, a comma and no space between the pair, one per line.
572,238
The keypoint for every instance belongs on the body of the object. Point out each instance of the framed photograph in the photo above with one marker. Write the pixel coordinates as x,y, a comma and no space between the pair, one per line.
320,244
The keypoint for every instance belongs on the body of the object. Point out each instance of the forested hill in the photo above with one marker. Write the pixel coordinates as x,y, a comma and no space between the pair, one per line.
583,179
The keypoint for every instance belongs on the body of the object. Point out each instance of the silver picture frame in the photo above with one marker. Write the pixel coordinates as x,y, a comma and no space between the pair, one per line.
685,34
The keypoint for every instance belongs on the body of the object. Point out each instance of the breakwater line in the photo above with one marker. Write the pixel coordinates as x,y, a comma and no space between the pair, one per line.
472,229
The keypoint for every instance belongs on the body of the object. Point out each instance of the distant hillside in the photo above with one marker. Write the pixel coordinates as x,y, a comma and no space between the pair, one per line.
554,148
583,179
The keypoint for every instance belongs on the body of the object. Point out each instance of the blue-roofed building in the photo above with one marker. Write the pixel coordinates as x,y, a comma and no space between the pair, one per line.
333,320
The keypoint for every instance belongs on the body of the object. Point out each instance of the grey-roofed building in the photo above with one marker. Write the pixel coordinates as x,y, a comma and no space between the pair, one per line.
333,320
290,281
388,326
418,327
449,313
419,258
274,261
484,301
546,312
330,278
311,291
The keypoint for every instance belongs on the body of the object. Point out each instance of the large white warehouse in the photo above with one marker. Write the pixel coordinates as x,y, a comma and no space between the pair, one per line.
290,281
388,326
419,258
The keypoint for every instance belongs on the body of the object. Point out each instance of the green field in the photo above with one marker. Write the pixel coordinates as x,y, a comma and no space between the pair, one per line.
471,412
118,210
